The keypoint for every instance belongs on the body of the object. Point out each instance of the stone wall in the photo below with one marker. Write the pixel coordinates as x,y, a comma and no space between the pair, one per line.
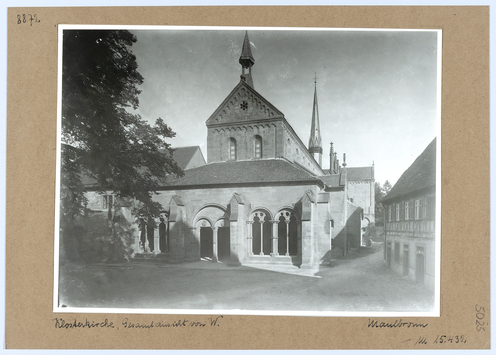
278,140
362,193
218,139
213,207
191,209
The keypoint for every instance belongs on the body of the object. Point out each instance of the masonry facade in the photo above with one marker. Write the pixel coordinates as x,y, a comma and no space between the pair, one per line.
262,196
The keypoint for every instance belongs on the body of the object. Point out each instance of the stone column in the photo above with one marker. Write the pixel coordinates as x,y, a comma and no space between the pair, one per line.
287,237
249,237
136,244
196,231
261,237
275,238
214,245
156,237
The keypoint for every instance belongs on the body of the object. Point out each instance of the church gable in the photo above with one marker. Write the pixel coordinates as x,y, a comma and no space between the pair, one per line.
243,104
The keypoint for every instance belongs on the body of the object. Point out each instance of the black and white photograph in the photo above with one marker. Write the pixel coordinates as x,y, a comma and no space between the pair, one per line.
232,170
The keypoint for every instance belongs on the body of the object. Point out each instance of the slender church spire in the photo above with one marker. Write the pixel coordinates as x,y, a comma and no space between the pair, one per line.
247,61
315,141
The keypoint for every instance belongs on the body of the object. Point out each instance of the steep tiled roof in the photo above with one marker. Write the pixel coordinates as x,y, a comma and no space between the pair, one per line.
331,180
360,173
419,176
242,172
183,155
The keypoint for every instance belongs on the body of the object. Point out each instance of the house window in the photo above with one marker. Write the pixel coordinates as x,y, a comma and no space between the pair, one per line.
397,252
258,147
389,213
107,201
407,211
232,149
417,209
397,211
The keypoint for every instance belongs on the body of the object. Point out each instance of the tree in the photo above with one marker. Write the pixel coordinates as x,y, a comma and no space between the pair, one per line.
386,187
380,193
101,138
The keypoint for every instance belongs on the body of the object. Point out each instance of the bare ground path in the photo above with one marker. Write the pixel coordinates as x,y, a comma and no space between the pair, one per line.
358,283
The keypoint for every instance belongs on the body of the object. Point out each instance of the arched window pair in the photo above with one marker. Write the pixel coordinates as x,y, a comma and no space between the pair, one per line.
274,237
257,146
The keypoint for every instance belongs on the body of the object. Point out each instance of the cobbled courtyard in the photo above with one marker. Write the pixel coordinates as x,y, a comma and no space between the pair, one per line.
359,282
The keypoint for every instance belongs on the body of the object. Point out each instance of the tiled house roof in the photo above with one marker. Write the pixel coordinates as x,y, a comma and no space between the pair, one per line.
361,173
421,175
264,171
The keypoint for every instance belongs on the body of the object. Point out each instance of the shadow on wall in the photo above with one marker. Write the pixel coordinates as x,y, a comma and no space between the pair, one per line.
179,234
326,259
353,232
296,260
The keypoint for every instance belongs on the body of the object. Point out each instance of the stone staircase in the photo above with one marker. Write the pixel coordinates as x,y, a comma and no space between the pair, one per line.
274,260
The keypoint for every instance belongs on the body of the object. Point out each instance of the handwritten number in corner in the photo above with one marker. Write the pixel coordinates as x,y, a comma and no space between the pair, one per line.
480,314
27,18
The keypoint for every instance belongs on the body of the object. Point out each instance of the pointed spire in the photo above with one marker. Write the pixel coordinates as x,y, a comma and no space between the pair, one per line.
331,159
315,141
246,60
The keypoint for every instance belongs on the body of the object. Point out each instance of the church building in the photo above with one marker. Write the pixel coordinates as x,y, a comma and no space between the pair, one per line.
262,196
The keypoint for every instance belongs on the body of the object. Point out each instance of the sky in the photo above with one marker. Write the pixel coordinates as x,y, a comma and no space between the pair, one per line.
377,90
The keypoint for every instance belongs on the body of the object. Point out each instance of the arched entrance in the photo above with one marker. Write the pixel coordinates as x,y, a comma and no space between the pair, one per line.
365,232
210,221
261,233
206,239
388,255
163,232
223,240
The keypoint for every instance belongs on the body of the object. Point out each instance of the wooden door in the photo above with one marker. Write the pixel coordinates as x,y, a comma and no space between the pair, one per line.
420,269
